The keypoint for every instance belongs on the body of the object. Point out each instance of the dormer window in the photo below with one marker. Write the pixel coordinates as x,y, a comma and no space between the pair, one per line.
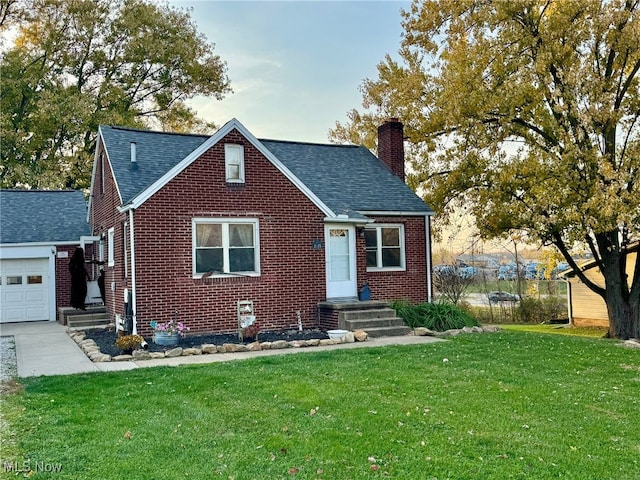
234,163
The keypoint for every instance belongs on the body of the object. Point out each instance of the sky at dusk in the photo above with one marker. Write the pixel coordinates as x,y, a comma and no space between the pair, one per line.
296,67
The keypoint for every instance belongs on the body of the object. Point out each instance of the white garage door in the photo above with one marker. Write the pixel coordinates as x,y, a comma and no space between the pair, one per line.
24,290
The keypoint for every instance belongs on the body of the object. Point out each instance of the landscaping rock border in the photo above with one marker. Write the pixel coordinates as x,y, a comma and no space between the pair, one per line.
92,350
425,332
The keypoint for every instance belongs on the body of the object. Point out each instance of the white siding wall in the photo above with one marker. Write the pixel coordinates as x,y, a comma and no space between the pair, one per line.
589,309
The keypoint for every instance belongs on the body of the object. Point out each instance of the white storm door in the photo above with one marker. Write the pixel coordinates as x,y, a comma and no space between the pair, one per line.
341,261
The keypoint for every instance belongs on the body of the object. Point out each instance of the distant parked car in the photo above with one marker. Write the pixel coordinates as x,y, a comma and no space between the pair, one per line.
495,297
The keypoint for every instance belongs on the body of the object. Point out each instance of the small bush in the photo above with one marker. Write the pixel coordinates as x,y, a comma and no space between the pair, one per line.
533,310
434,316
128,343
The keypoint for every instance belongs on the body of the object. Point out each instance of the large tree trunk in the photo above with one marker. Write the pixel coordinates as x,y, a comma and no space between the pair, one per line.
624,316
622,299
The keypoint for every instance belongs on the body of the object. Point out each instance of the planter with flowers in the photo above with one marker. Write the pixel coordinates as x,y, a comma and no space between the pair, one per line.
168,333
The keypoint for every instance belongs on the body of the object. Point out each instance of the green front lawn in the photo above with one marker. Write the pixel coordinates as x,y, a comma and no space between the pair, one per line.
483,406
596,332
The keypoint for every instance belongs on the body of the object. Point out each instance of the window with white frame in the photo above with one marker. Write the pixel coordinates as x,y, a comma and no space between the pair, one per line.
234,163
225,246
110,247
385,247
125,252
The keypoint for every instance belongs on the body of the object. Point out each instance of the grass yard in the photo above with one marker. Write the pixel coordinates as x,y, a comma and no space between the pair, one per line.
595,332
491,406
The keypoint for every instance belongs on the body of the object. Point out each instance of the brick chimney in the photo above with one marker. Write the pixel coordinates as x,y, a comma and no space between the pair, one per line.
391,146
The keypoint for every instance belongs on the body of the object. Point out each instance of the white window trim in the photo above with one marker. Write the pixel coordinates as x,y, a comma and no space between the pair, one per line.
111,261
228,149
225,241
378,227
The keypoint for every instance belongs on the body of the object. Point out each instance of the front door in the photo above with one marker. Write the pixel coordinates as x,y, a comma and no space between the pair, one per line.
340,249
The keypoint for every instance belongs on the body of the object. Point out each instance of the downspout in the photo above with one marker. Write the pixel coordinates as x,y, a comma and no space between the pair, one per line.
132,251
427,231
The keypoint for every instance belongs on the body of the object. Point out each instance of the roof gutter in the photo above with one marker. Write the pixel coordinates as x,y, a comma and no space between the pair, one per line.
348,220
383,213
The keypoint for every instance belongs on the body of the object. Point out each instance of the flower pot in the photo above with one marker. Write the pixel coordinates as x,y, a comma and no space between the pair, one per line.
337,333
167,339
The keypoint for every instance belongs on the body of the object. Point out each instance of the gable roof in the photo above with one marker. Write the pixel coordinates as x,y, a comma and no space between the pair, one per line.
341,180
42,216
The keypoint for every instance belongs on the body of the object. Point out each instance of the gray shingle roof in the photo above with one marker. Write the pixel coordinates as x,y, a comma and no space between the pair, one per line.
161,151
44,216
348,179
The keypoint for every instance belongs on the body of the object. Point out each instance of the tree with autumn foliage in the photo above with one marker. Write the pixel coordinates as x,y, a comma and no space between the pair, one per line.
69,66
526,114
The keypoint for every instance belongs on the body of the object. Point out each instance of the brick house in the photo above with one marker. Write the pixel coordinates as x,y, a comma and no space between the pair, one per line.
192,225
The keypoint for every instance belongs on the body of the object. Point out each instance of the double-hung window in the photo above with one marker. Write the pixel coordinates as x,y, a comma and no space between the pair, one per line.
234,163
385,247
225,246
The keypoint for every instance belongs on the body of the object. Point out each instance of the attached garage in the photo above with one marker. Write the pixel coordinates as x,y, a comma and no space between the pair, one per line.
38,231
24,290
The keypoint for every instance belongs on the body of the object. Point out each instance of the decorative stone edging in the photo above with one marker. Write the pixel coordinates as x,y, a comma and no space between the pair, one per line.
425,332
92,350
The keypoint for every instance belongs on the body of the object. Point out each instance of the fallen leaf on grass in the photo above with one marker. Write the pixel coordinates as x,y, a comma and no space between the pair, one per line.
293,470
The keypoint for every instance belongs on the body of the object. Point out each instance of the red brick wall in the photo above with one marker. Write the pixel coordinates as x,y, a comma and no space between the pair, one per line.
292,273
63,277
410,284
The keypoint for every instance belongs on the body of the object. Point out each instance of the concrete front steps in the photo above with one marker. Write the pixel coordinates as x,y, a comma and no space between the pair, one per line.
374,317
95,316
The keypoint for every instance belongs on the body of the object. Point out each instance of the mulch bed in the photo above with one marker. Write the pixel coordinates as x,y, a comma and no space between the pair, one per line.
106,339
